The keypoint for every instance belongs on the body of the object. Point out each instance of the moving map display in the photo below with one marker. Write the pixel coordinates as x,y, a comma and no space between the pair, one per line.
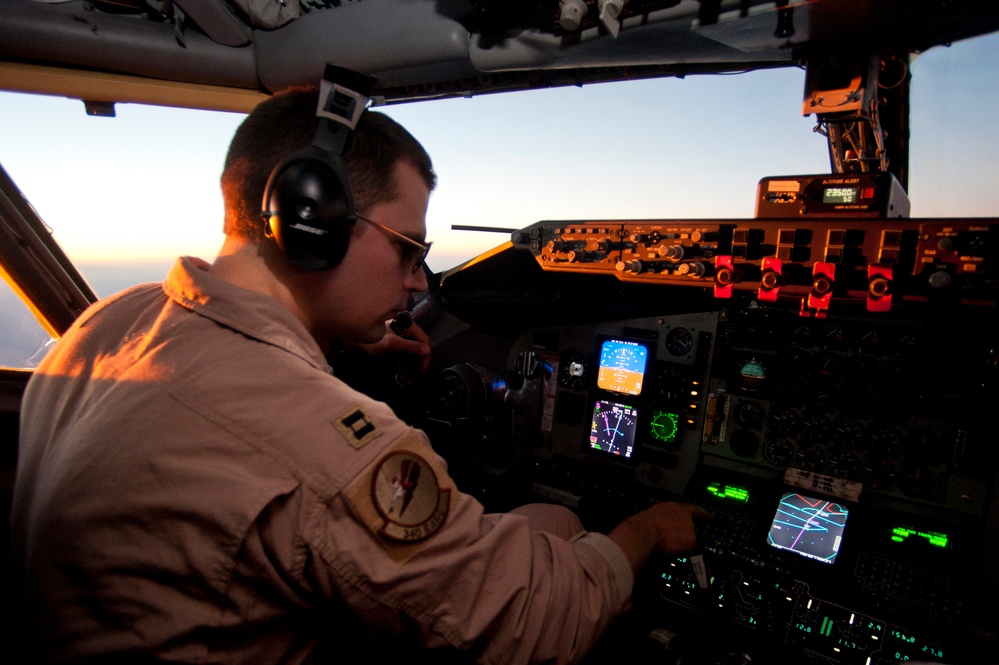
808,526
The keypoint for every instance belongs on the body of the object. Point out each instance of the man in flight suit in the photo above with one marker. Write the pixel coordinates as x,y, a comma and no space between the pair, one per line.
195,485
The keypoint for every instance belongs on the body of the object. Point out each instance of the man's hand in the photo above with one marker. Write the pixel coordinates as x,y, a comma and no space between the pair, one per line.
665,527
414,341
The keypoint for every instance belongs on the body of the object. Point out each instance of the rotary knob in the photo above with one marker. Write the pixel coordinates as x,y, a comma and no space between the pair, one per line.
634,266
692,269
673,252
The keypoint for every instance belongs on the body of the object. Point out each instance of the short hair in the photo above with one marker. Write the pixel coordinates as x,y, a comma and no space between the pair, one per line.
285,123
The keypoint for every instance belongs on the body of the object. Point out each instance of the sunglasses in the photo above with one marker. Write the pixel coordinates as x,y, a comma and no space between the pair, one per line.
410,250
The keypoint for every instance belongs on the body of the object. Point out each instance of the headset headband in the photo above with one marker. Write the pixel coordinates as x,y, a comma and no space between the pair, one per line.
343,97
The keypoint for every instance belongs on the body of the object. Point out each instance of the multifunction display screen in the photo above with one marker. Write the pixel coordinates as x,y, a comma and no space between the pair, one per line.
613,428
808,526
622,366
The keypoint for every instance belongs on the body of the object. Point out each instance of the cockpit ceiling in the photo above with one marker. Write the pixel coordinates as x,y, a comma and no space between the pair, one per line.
431,48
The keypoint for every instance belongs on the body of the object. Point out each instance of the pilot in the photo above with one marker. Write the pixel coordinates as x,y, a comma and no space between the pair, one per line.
195,484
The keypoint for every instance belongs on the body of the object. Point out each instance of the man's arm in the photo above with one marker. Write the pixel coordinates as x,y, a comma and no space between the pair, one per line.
665,527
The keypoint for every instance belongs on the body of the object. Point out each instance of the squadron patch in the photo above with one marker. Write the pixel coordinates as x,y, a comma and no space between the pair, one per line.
356,427
404,496
406,493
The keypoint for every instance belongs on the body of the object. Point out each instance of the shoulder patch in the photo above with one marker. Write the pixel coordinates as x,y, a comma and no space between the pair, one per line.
356,427
404,496
406,493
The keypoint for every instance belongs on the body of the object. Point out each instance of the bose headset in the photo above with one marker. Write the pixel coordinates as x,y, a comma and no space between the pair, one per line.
308,206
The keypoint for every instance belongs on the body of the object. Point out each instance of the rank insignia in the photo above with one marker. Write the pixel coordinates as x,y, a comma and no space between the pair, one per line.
356,427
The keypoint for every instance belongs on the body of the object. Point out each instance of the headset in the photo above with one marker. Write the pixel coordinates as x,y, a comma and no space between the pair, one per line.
308,206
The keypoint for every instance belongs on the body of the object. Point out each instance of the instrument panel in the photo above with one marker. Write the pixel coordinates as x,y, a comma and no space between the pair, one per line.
851,476
825,388
876,263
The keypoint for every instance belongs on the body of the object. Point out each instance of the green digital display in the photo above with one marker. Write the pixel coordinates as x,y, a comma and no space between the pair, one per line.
665,426
839,195
728,492
900,534
906,647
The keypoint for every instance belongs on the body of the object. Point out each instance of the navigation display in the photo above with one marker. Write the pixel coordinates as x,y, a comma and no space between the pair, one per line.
622,366
613,428
808,526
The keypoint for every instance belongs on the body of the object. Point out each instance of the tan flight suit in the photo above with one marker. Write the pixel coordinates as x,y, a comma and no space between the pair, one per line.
194,483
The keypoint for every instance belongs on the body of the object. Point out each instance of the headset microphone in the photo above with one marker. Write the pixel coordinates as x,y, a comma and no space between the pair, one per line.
308,205
401,323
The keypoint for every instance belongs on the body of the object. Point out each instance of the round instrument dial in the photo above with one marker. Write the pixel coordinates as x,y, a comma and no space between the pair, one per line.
664,426
573,371
783,422
778,451
750,415
679,341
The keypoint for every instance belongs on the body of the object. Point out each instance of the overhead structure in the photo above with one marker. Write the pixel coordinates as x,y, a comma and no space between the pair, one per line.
230,53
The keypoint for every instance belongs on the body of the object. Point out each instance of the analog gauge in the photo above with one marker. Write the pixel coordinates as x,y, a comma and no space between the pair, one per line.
792,391
809,457
671,383
901,376
679,341
744,443
879,472
814,429
665,426
752,376
885,440
803,335
907,344
832,336
827,362
939,443
917,481
826,377
862,384
868,341
861,366
798,356
778,451
782,421
846,434
750,414
848,464
573,371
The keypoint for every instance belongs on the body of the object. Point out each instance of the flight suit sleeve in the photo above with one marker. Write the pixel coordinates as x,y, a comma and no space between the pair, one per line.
408,552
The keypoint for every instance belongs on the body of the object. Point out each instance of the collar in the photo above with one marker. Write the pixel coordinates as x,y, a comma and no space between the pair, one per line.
191,285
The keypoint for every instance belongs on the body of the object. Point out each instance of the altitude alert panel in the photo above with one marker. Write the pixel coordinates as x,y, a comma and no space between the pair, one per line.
877,195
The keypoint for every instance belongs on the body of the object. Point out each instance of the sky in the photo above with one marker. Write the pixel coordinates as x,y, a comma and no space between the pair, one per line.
144,184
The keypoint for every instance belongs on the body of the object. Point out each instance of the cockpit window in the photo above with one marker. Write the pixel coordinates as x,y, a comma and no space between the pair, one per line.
125,195
24,341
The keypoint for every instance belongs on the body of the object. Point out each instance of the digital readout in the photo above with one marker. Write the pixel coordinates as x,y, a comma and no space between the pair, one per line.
839,195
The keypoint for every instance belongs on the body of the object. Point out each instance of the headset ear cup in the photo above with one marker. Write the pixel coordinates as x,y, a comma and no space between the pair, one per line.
309,209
